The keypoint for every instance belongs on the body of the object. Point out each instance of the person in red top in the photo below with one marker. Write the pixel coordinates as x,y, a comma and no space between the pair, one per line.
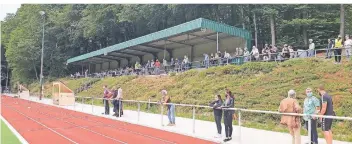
157,67
106,97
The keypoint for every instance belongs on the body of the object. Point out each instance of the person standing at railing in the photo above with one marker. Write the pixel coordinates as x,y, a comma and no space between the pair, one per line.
115,101
337,49
216,104
106,100
327,109
311,107
120,98
292,52
166,100
255,53
246,55
157,67
291,105
330,46
311,48
348,47
228,116
206,60
273,52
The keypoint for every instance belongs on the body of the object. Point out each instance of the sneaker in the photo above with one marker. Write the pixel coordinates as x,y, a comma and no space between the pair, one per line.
169,124
218,136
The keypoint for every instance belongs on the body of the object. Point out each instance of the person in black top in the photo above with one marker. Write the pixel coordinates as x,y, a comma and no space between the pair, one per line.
327,109
228,115
216,104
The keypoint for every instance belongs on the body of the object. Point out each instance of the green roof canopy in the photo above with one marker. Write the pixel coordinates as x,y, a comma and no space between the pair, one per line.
191,33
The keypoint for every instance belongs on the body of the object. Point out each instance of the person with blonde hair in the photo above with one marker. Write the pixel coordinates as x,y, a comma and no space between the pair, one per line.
291,105
166,100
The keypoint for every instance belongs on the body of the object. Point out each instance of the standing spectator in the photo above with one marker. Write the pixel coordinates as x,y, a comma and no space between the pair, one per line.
246,54
227,57
255,52
206,60
216,104
285,52
273,52
86,73
212,58
115,100
327,109
106,100
157,67
290,105
172,64
337,49
266,53
330,46
292,52
311,48
170,108
228,116
119,98
348,47
311,107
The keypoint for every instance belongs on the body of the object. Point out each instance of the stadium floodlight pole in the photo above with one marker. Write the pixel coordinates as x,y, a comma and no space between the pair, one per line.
42,13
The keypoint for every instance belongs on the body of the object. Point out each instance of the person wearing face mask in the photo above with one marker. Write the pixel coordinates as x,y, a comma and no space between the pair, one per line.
311,107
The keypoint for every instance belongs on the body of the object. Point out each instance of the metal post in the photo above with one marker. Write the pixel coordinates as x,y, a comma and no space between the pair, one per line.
74,105
92,105
239,126
217,42
119,114
309,130
41,61
194,120
82,103
148,104
315,53
139,107
161,114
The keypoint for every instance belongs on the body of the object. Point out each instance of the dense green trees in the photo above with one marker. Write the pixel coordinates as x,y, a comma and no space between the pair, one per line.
72,30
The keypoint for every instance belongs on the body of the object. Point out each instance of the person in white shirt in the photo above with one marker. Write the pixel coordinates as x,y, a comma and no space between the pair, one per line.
292,52
255,52
311,48
348,46
119,98
246,54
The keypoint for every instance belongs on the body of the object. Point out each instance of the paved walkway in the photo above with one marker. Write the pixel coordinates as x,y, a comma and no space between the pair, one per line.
203,129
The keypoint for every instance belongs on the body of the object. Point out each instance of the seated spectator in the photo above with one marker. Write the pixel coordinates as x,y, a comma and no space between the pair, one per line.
273,51
157,67
266,53
285,52
240,52
246,54
212,59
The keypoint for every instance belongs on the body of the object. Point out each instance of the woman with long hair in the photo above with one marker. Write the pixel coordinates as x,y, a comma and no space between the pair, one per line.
228,115
216,104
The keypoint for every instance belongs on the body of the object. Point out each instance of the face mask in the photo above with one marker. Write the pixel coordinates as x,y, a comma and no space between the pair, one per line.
309,94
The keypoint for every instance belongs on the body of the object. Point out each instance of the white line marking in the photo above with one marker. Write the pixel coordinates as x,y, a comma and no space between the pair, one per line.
14,131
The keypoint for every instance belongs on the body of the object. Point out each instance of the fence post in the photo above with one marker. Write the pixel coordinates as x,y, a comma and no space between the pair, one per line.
194,120
161,114
239,126
309,130
139,107
315,53
82,102
74,105
120,107
92,105
148,104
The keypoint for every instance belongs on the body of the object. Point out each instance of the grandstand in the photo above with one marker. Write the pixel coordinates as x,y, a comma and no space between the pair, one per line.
192,39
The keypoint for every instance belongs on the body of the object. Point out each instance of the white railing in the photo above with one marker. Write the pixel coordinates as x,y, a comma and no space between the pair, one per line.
239,112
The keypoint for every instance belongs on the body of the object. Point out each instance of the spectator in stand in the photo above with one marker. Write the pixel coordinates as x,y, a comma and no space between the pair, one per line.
266,52
216,104
311,107
212,59
255,53
329,47
152,64
172,63
177,65
157,67
86,73
137,67
166,100
240,52
285,52
106,100
348,47
311,48
293,123
246,54
337,49
273,51
292,52
227,57
228,116
216,58
327,109
185,63
206,60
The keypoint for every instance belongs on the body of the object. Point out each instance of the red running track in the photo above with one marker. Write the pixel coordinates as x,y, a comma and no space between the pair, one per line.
42,124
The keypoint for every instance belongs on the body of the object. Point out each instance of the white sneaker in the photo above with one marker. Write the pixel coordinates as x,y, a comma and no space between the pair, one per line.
218,136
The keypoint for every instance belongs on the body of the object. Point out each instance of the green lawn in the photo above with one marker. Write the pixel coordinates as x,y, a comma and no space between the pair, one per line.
7,137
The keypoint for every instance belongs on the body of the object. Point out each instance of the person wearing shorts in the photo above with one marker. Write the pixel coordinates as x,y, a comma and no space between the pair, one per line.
327,109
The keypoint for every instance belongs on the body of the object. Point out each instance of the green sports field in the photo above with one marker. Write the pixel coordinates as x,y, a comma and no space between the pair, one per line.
7,137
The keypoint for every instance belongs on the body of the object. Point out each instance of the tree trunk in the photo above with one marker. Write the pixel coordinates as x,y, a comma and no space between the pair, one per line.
255,30
304,30
272,28
242,18
342,22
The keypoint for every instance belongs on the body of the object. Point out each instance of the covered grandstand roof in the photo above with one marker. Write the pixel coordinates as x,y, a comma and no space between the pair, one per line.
191,33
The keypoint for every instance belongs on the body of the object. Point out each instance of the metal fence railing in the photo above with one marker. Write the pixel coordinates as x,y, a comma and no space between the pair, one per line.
202,112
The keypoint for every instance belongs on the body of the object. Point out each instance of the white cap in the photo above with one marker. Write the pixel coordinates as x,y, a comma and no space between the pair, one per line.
164,92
